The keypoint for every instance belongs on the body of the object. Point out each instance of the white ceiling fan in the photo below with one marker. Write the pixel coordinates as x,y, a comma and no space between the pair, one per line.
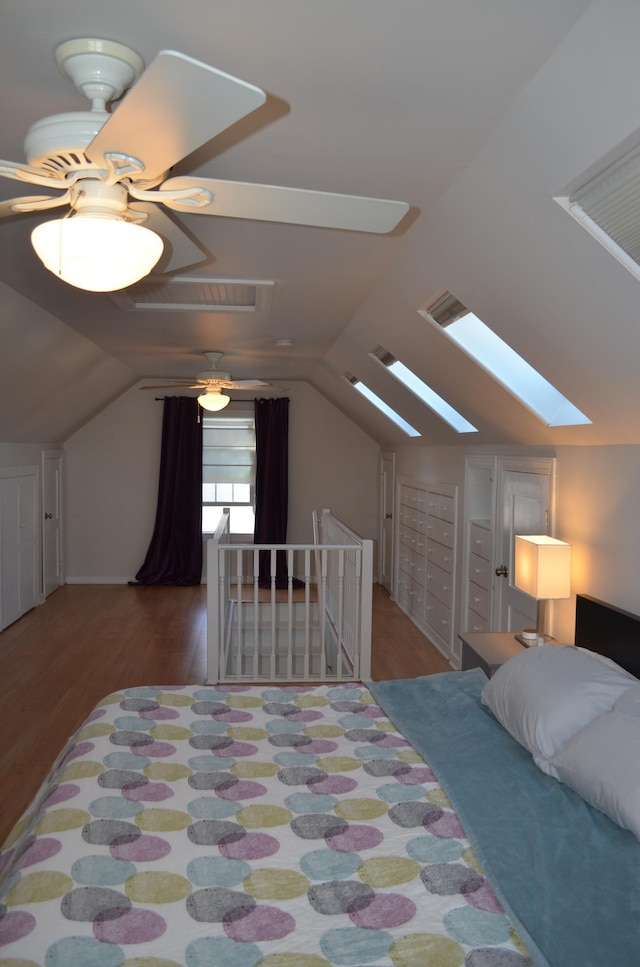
212,381
110,168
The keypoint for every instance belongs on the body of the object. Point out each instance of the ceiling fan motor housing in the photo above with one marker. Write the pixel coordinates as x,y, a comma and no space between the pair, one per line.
101,70
57,143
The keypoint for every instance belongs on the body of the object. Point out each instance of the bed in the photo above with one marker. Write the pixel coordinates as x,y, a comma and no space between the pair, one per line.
394,825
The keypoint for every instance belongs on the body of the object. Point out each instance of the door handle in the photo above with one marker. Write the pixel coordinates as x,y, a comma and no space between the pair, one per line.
502,571
48,516
388,516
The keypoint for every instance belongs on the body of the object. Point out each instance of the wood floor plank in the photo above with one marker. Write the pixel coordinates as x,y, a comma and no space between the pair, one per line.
59,660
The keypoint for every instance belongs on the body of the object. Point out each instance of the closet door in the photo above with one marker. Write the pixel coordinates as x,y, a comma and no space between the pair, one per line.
18,490
524,493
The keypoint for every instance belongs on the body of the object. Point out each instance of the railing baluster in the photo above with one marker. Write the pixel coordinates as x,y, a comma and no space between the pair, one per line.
308,644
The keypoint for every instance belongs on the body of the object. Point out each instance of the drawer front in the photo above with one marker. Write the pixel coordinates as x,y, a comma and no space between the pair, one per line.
479,600
439,619
413,519
410,539
441,555
480,571
440,584
413,498
433,504
475,622
411,597
440,530
413,565
480,541
447,508
407,536
440,505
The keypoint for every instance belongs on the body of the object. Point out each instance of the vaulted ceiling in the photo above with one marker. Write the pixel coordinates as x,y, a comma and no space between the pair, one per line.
476,115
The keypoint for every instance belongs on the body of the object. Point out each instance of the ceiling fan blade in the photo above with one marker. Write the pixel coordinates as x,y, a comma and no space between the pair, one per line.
245,384
173,386
31,203
33,176
180,251
178,104
234,199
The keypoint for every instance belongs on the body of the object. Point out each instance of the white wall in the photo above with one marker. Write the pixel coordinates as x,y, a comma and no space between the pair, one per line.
597,511
111,480
24,454
332,464
111,487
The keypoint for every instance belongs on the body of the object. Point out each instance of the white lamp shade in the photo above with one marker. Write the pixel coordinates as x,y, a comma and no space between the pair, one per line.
543,566
213,400
99,253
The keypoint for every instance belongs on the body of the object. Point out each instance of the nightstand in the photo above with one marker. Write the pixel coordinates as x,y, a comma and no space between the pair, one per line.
488,650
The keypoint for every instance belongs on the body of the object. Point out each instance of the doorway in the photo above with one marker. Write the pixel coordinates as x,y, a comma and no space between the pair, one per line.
524,496
52,561
387,492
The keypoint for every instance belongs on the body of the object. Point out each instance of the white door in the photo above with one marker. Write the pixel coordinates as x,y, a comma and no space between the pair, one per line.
387,488
524,502
19,545
52,521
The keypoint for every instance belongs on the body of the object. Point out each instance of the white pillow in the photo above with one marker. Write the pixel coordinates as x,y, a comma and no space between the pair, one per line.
544,695
602,762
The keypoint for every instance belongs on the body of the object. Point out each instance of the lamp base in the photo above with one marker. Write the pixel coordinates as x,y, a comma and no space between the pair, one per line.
530,640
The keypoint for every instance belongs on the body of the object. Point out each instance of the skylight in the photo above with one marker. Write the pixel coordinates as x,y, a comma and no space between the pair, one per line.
383,407
608,206
503,363
424,392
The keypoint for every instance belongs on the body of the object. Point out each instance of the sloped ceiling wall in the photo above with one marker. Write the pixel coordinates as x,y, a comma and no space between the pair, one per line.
506,249
51,379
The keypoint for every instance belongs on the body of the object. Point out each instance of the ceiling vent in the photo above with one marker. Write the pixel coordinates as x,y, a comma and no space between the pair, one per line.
186,294
608,206
443,310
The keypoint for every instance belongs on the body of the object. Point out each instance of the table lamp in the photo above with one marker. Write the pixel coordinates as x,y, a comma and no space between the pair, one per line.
542,568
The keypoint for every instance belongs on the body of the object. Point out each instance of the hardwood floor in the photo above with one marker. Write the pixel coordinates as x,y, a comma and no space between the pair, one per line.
86,641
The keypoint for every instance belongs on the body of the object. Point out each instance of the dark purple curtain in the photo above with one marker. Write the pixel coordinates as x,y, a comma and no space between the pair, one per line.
175,551
272,483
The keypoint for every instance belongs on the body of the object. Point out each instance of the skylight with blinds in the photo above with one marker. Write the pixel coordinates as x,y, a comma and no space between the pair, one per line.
608,206
502,362
383,407
424,392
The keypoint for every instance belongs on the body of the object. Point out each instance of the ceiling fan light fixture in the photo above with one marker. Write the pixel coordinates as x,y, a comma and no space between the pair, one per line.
213,400
99,253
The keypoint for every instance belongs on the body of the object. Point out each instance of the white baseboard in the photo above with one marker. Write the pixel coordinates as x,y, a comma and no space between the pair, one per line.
94,580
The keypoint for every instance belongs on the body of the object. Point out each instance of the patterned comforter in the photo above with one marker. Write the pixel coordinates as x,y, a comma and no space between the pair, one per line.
245,826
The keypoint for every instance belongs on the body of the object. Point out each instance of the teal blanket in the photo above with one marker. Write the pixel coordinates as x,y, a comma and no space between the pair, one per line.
566,874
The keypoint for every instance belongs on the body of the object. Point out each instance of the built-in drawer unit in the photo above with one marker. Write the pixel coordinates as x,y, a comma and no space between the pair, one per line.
478,577
426,558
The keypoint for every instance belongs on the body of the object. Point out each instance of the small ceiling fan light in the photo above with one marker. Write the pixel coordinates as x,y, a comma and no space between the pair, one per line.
99,253
213,400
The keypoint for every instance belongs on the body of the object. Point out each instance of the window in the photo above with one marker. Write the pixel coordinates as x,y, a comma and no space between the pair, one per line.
379,404
424,392
608,206
228,472
502,362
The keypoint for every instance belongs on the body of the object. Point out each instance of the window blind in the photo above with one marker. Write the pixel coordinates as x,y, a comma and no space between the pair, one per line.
228,450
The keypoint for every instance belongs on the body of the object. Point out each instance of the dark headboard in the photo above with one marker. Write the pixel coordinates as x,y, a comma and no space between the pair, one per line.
608,631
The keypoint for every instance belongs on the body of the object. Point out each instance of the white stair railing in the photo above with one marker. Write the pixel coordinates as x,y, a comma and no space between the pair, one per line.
317,628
